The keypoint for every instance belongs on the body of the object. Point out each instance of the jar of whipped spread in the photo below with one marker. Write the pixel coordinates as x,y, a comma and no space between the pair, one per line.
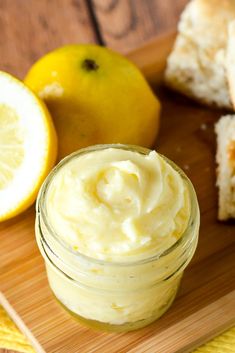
117,225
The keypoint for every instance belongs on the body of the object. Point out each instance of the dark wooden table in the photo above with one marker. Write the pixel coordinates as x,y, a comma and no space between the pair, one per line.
30,28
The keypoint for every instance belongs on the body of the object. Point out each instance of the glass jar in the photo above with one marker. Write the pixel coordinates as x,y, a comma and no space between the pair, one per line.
114,296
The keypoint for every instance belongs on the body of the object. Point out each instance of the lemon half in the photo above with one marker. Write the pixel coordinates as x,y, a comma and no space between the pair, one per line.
28,146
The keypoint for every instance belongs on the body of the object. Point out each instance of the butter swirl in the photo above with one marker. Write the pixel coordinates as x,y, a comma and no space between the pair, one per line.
114,204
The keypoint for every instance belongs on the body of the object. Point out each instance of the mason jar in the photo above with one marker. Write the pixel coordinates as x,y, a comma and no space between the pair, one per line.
114,296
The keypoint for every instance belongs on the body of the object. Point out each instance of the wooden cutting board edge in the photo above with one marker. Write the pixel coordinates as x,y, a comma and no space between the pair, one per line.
151,61
188,334
20,324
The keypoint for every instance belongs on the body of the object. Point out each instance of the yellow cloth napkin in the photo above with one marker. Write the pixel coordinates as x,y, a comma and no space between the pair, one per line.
11,338
224,343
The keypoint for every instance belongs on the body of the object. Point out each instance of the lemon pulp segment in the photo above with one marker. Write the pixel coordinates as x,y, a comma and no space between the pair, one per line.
11,144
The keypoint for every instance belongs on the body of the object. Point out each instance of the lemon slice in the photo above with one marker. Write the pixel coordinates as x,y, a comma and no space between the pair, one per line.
28,146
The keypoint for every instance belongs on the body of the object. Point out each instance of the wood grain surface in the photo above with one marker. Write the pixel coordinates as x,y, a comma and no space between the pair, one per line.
31,28
127,24
208,290
19,323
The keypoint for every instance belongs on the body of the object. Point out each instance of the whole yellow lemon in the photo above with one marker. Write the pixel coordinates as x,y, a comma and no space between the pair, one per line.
95,96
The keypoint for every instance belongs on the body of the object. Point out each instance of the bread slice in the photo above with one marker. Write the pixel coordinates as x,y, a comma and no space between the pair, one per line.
196,66
225,158
230,60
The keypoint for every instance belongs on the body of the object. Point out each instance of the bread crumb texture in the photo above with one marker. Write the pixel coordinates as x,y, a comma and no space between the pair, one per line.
196,66
225,158
230,60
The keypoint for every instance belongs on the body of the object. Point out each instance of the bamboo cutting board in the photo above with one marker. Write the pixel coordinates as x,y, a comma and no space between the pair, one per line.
205,305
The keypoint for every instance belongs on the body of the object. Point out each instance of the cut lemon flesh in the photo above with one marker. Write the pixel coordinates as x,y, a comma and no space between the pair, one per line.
28,146
11,145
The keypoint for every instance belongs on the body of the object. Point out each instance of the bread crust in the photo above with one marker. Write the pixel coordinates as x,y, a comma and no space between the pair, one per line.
230,60
225,158
196,66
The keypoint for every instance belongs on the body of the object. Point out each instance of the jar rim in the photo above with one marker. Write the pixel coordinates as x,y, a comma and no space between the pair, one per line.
41,209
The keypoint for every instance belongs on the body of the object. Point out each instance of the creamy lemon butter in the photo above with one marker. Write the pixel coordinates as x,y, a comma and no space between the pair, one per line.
116,225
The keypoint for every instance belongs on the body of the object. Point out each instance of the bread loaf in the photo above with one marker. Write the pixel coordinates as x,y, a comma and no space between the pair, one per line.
196,66
225,158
